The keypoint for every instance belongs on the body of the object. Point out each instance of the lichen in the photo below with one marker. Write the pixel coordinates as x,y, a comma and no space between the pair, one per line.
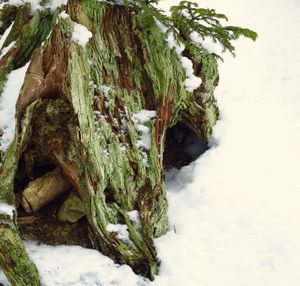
82,117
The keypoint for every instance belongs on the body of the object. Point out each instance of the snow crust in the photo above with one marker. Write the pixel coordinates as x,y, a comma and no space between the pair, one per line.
8,101
81,35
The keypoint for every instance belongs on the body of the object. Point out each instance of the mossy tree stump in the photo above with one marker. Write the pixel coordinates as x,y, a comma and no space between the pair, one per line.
99,113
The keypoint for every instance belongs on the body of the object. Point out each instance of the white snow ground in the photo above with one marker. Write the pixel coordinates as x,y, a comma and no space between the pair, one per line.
236,209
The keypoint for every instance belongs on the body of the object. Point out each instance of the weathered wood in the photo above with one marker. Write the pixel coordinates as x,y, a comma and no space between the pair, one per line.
14,260
44,190
27,220
100,113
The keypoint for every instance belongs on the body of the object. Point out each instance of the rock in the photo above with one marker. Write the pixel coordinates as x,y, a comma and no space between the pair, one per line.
72,209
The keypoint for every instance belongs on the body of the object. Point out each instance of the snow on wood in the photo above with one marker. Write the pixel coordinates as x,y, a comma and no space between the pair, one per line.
144,116
206,43
6,49
6,209
8,105
5,35
135,217
192,82
81,35
64,15
121,231
139,120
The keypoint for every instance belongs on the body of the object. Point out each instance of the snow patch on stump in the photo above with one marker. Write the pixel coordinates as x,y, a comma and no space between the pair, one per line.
8,101
139,120
81,35
6,49
5,35
192,82
64,15
6,209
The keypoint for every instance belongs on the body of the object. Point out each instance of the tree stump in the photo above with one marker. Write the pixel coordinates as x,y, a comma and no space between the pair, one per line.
97,108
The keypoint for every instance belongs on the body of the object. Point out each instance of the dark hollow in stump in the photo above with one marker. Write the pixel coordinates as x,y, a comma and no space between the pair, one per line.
182,146
99,113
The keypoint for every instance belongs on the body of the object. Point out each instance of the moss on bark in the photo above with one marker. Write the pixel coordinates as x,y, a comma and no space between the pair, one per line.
14,260
77,109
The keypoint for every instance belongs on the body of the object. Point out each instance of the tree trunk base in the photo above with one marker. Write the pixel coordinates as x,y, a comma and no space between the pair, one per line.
100,113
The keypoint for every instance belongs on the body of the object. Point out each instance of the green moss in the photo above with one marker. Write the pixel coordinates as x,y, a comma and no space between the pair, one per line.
72,209
22,18
3,76
210,77
113,76
7,16
127,66
13,258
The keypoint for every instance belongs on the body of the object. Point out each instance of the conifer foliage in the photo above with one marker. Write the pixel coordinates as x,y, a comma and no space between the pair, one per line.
188,17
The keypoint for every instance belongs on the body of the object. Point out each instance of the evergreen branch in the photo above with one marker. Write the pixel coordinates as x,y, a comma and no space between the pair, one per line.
187,17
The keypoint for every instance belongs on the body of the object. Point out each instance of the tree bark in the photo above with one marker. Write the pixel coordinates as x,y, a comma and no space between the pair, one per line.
83,109
14,260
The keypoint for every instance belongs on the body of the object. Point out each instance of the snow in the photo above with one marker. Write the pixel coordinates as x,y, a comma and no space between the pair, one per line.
121,230
106,92
234,213
6,209
8,101
145,136
3,279
192,82
6,49
144,116
81,35
64,15
135,217
106,89
139,119
74,265
35,4
206,43
5,35
236,209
